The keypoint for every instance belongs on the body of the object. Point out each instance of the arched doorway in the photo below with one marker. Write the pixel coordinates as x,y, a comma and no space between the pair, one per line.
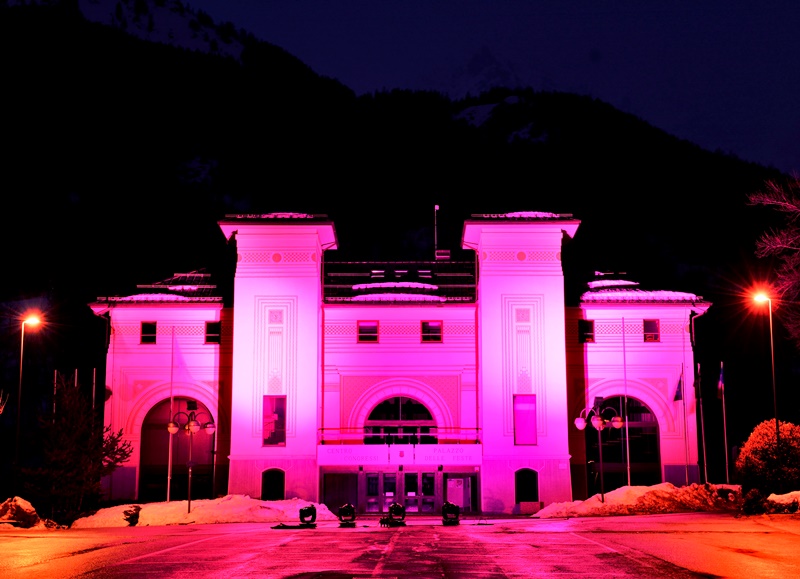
273,485
154,481
639,437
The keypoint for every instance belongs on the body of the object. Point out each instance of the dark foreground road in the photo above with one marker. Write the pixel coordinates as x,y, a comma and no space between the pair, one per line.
675,546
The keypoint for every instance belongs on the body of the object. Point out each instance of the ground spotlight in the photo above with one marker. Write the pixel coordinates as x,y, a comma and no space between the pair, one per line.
347,515
450,513
308,515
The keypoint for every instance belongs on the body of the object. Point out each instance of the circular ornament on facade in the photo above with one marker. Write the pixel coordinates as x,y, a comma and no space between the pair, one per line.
483,256
521,256
276,257
558,256
314,257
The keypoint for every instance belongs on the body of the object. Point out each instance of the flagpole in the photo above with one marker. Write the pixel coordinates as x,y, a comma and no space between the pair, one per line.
435,231
685,428
721,392
699,395
698,390
55,388
171,413
625,382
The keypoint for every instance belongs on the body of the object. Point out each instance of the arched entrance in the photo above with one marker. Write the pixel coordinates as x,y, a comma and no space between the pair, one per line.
154,481
639,437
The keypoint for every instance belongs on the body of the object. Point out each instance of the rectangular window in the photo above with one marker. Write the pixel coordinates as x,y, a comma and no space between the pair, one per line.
367,331
148,335
651,331
524,419
586,331
213,332
274,430
431,331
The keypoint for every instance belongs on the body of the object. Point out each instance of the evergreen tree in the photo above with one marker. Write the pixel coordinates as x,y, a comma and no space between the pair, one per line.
78,451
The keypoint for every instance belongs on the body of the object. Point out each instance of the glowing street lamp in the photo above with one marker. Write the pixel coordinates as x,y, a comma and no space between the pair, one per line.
192,427
762,297
599,423
31,320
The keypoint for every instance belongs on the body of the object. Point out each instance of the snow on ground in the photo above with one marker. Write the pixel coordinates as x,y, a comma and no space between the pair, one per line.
649,500
629,500
228,509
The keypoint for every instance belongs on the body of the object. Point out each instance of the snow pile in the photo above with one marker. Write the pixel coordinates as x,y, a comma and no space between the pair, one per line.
18,512
648,500
786,499
227,509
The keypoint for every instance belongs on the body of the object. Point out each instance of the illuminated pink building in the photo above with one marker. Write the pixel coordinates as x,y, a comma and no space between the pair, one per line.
412,382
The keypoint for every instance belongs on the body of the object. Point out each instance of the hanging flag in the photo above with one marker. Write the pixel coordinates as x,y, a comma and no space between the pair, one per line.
679,390
697,383
721,384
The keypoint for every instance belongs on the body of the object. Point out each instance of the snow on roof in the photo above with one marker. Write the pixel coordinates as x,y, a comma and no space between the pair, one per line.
636,295
288,215
161,298
395,284
616,290
611,283
397,298
278,215
523,215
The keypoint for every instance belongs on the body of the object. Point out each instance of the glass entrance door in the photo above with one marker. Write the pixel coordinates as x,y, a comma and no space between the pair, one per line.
381,491
419,492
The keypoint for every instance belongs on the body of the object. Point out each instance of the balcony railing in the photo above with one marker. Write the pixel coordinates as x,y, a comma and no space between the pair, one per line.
401,435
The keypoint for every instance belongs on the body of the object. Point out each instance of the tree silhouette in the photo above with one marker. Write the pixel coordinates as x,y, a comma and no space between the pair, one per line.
783,244
78,451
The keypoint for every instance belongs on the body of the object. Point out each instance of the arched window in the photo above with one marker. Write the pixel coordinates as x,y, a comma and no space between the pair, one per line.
399,420
526,486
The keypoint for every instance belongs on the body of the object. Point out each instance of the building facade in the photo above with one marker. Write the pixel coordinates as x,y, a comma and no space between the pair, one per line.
410,382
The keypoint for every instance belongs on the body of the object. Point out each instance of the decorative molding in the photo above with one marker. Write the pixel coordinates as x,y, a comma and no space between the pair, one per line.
277,257
521,255
274,357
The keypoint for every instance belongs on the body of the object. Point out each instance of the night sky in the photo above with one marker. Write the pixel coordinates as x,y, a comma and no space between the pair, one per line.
719,73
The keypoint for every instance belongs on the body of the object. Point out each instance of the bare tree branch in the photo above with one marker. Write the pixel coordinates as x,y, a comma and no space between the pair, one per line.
783,243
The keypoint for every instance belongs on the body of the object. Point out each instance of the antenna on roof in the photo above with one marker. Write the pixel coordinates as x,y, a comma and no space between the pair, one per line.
435,235
438,253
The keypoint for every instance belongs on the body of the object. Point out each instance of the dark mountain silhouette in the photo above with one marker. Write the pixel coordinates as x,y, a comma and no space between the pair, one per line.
127,152
122,154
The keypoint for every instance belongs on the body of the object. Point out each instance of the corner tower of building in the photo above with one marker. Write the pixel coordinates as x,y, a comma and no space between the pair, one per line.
276,361
522,377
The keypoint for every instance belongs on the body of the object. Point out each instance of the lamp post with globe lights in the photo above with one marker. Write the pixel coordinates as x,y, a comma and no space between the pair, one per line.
190,423
599,422
761,298
30,320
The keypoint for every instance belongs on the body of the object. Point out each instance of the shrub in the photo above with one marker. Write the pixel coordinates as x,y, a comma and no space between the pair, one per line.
754,503
768,467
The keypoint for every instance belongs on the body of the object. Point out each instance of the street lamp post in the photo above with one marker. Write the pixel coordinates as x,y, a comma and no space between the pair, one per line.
599,423
761,297
192,426
31,320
